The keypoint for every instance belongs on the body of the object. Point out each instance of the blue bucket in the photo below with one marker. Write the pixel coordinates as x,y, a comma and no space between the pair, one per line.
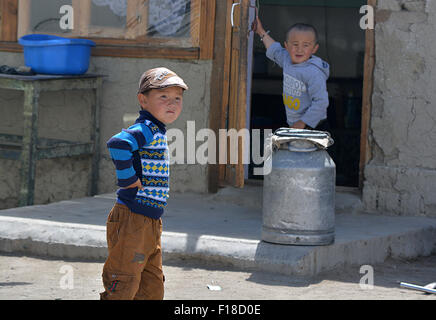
56,55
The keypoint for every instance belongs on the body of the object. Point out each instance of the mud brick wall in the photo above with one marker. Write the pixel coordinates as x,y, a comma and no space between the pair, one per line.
401,176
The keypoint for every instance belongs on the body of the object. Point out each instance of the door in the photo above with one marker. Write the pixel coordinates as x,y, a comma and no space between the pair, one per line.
235,91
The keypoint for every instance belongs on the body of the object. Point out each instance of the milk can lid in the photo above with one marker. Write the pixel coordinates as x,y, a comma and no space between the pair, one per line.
321,139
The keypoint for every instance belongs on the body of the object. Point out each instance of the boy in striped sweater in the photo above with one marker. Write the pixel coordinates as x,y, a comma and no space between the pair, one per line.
133,269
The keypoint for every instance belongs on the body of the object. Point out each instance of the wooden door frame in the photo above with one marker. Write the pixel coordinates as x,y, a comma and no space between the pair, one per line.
220,85
233,174
367,90
218,174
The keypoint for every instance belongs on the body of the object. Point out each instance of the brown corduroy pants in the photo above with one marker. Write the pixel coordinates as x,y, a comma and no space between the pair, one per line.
133,268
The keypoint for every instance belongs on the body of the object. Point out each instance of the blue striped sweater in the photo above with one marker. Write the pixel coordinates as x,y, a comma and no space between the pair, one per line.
141,151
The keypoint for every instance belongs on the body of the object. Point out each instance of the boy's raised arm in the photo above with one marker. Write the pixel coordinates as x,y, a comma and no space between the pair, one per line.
264,36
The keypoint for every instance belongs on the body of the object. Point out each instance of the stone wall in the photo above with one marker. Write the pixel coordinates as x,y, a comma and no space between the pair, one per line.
65,115
400,178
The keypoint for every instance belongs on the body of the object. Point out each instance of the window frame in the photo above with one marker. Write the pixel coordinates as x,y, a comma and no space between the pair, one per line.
202,39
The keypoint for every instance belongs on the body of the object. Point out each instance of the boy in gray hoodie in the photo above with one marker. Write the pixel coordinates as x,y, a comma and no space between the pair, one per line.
304,75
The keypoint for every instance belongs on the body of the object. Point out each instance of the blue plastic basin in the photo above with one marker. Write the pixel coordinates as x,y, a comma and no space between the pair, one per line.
56,55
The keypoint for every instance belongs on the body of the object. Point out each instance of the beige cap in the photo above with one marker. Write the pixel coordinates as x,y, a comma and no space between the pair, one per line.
159,78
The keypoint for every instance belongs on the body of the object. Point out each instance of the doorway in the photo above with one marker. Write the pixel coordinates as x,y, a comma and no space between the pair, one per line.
342,45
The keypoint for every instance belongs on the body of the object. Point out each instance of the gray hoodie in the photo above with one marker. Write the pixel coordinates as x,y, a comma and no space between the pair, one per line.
304,86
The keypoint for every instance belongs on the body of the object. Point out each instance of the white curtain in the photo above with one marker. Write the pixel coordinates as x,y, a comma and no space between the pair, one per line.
118,7
167,15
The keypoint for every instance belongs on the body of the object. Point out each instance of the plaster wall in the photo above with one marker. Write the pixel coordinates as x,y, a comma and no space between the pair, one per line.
401,175
65,115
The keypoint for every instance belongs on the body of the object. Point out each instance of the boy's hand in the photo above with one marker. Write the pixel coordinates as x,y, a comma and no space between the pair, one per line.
137,184
299,125
257,26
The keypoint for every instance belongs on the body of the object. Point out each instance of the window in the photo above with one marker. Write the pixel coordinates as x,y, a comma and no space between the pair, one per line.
142,28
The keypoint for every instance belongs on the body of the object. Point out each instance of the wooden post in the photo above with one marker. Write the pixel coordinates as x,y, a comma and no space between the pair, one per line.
30,139
369,63
95,139
137,19
207,28
196,6
24,7
242,92
219,87
82,17
224,107
237,103
8,23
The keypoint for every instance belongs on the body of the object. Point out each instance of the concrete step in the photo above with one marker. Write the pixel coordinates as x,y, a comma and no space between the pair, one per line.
348,200
218,231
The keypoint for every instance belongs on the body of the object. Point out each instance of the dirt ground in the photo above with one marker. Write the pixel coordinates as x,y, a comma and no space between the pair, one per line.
24,278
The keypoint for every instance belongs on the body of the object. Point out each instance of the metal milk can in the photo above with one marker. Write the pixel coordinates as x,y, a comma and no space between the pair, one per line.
299,193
